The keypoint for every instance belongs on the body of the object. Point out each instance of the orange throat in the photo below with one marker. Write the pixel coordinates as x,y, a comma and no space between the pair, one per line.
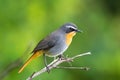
69,37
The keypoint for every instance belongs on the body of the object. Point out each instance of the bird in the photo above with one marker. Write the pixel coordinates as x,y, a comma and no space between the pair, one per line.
55,44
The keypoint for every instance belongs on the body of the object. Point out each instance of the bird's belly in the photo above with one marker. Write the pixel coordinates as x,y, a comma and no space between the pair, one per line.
56,50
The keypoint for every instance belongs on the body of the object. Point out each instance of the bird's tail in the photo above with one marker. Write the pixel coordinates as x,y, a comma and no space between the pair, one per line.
37,54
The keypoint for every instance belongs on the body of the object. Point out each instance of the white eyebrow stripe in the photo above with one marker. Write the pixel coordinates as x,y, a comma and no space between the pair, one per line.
71,27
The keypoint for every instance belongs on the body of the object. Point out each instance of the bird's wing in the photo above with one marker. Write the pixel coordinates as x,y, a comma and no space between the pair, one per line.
45,44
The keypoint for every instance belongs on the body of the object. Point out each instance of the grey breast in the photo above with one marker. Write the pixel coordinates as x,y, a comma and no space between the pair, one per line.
60,44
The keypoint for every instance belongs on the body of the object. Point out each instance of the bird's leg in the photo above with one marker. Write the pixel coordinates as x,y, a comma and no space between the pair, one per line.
61,57
45,62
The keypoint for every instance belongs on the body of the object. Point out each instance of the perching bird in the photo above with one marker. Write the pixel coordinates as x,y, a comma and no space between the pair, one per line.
54,44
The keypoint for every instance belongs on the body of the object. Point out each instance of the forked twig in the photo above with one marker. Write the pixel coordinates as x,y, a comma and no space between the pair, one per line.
56,62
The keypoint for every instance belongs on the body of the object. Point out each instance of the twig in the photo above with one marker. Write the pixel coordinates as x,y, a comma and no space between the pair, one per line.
10,67
13,65
55,63
80,68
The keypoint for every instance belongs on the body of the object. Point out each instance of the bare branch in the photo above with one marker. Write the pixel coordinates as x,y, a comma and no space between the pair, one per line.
80,68
88,53
13,65
56,62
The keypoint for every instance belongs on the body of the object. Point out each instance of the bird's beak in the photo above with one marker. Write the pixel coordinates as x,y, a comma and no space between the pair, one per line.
79,31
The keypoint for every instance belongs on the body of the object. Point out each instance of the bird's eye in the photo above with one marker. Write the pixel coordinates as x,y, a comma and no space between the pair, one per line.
72,29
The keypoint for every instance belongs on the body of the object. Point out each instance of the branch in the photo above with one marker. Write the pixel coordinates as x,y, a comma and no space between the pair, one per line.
56,62
13,65
10,67
80,68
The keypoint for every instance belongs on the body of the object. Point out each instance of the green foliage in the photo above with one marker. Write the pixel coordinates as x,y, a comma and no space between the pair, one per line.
25,22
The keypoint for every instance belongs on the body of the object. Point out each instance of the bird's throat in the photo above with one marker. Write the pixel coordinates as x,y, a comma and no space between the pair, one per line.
69,37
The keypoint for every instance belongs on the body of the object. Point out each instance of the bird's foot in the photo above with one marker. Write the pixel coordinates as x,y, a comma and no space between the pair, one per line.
61,57
47,69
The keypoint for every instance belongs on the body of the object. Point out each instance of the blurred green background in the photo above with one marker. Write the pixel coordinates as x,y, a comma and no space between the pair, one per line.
24,22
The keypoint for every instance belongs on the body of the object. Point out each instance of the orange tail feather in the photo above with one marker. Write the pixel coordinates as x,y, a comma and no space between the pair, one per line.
37,54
